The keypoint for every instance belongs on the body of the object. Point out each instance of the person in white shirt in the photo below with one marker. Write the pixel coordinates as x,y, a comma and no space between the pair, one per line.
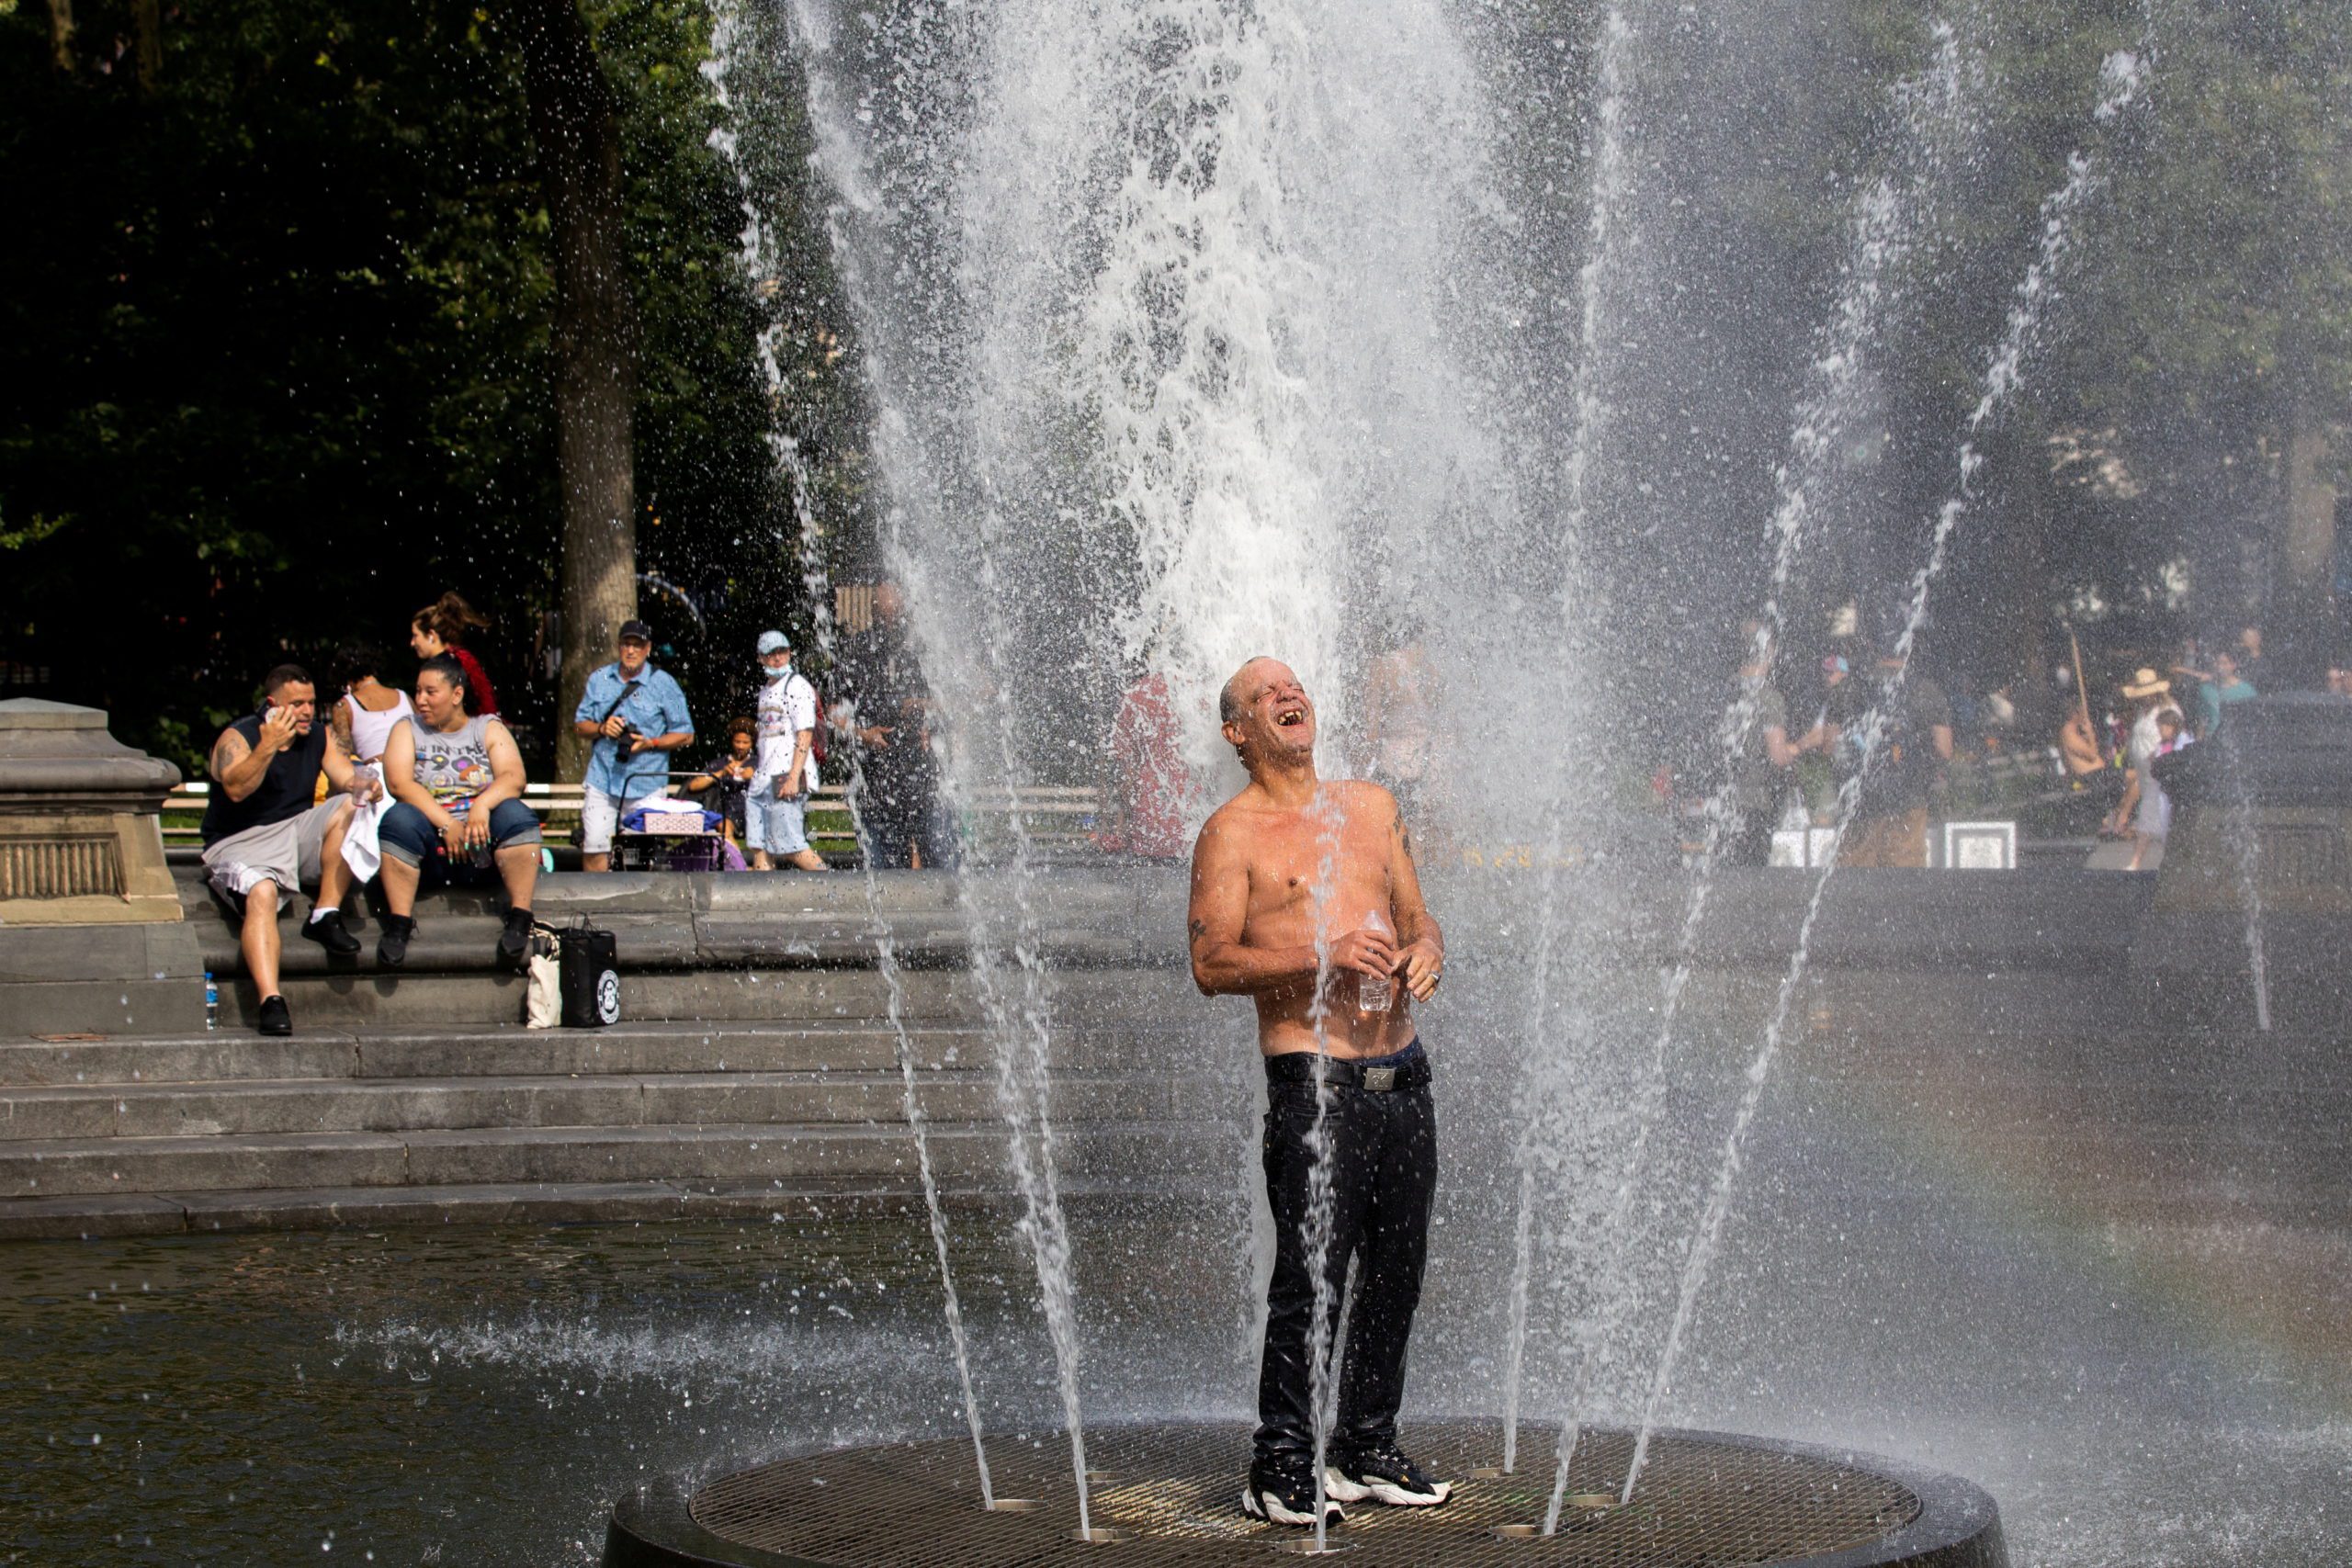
776,808
362,723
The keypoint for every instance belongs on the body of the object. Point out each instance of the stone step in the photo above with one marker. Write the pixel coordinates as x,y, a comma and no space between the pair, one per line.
228,1056
683,920
447,942
57,1116
443,942
175,1058
729,1152
743,993
1118,1160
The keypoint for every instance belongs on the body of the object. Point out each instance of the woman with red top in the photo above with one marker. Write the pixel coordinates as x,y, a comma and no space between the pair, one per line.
442,627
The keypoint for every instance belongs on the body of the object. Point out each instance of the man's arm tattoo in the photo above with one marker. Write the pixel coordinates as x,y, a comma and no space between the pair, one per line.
1200,929
227,752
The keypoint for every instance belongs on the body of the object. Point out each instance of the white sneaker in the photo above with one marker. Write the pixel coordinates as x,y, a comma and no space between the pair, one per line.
1287,1499
1385,1476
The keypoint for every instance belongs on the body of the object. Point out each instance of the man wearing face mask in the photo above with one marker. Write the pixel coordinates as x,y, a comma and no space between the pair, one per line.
776,808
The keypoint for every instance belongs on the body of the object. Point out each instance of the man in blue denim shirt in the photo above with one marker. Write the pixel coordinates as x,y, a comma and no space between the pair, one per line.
639,717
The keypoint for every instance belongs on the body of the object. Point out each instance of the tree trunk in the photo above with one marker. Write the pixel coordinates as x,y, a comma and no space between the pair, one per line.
2303,606
61,34
575,129
147,25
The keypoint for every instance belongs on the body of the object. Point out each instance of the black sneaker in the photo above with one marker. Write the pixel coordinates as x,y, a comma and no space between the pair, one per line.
332,934
1286,1495
391,948
516,940
1384,1475
275,1019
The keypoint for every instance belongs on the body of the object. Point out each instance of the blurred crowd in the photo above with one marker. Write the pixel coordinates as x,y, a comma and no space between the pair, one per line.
2080,752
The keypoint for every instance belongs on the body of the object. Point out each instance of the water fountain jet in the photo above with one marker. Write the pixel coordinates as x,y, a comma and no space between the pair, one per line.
2122,74
727,25
1189,333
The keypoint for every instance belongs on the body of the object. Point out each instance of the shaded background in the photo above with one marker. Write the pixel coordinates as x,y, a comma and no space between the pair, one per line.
274,362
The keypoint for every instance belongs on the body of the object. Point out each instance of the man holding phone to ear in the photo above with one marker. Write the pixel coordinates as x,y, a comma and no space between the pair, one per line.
264,838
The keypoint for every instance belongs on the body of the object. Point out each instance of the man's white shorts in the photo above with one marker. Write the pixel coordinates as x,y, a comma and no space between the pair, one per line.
284,852
599,815
778,826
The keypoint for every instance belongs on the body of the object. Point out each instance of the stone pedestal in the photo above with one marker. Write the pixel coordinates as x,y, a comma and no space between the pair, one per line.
81,842
91,933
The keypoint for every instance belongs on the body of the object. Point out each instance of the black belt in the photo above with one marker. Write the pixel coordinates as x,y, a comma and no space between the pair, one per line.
1298,1066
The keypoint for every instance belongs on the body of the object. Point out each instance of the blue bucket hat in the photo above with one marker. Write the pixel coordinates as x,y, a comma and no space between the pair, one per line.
772,642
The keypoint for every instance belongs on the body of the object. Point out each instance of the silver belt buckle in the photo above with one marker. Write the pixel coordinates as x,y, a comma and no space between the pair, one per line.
1380,1081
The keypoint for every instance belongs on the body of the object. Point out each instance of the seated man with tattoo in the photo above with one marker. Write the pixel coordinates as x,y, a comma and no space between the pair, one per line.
1305,899
267,833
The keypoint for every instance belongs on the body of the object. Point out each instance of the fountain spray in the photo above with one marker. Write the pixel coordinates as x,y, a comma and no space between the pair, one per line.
1882,233
2124,73
817,590
1321,1200
911,177
1606,232
2247,850
1020,1033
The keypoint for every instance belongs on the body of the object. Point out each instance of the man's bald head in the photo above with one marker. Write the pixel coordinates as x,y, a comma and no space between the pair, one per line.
1266,717
1232,702
1254,676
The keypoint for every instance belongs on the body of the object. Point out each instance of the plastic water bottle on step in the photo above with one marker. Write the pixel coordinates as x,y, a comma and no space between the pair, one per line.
1375,995
211,1001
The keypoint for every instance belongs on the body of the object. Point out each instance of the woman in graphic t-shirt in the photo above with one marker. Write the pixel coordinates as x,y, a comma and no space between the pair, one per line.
457,782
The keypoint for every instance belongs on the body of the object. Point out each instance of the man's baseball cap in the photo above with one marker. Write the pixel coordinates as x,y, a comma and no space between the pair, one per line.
636,629
774,642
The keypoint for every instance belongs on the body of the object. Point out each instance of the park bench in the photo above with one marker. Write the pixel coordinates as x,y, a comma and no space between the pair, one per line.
1059,818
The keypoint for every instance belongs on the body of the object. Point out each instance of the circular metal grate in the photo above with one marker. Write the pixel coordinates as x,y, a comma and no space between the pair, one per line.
1703,1502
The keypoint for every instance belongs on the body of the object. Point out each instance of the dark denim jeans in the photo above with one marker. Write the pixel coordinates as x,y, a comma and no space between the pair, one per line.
408,835
1383,1172
891,834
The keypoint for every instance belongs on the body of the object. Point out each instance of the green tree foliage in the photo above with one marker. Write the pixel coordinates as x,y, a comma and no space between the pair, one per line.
2205,310
2141,479
2217,314
273,352
274,328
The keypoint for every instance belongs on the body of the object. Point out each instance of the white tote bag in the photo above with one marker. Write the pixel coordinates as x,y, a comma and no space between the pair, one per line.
543,984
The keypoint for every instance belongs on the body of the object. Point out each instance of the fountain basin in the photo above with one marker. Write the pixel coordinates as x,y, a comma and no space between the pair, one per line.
1707,1500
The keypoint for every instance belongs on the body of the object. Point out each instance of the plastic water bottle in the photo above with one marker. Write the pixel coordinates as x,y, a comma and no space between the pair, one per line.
1375,995
212,1002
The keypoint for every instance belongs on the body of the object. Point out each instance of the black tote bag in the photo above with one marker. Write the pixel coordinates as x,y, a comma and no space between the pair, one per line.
591,978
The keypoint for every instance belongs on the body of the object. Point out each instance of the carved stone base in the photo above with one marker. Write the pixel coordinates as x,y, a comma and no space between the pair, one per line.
80,840
83,868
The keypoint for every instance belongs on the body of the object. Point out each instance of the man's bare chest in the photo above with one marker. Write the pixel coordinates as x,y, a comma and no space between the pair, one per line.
1294,874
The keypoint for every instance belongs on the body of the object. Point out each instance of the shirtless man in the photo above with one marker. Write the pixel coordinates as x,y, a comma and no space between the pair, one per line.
1254,933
